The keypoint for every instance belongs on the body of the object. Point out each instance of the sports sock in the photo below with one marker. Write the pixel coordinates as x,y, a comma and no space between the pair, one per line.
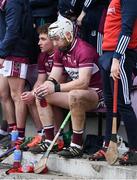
49,132
21,133
77,137
11,127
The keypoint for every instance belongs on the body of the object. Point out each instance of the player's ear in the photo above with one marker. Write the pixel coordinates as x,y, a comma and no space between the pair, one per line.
69,36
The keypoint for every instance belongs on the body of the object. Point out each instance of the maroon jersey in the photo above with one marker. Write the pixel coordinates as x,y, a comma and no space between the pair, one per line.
81,55
45,63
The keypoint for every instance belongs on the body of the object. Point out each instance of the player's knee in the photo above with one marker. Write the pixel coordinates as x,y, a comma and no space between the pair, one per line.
5,97
75,98
15,96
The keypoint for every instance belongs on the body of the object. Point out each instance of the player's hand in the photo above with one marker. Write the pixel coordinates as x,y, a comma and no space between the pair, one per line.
28,97
45,89
79,19
115,69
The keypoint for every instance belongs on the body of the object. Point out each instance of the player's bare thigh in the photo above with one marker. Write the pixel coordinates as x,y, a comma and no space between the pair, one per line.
4,87
59,99
62,99
16,84
87,98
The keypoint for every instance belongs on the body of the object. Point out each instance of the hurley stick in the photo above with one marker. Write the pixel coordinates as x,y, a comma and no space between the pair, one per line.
112,151
41,165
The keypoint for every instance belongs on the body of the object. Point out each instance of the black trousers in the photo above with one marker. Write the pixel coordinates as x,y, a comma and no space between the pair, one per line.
125,110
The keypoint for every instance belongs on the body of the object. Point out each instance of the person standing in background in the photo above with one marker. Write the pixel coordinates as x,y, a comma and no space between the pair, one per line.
16,42
89,16
118,62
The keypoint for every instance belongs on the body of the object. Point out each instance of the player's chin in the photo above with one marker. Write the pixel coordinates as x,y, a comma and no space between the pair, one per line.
42,50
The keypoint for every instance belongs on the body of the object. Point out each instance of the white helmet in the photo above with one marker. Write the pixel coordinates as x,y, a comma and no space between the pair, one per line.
60,28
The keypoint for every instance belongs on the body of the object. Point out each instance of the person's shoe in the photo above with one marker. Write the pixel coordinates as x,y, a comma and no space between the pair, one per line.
99,155
128,158
3,136
71,152
36,140
42,147
5,142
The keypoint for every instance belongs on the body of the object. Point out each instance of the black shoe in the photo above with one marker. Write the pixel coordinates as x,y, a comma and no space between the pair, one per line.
2,136
6,141
99,155
128,158
71,152
40,148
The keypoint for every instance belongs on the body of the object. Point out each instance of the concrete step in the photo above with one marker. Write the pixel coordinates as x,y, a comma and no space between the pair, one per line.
81,168
27,176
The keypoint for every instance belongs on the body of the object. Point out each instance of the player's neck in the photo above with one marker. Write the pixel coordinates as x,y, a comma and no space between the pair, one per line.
50,52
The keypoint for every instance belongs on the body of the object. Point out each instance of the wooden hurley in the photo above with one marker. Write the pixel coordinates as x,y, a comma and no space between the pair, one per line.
112,151
41,165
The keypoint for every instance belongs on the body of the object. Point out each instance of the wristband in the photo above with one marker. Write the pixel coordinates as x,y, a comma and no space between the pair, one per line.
56,84
52,80
57,88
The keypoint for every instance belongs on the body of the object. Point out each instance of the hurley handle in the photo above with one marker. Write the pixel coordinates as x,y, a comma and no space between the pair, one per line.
115,99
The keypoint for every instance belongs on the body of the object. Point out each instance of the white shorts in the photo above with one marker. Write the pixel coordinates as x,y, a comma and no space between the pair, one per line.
14,69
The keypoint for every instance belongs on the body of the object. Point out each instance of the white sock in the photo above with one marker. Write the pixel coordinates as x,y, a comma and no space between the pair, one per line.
75,145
